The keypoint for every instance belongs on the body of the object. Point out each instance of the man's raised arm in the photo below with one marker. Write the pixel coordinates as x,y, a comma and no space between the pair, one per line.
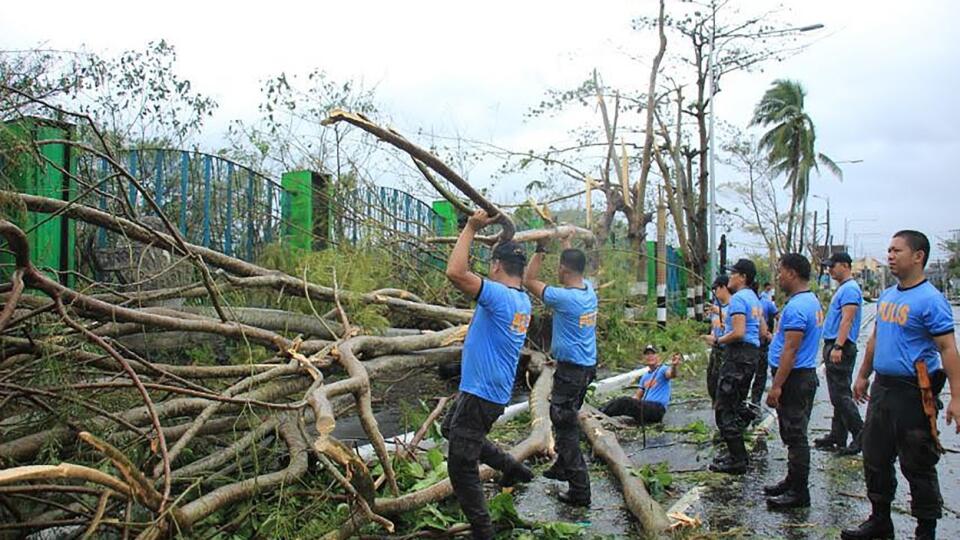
458,266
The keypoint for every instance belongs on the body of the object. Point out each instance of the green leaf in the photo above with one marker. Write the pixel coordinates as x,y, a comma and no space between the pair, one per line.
560,530
435,457
656,478
430,516
503,509
414,469
435,475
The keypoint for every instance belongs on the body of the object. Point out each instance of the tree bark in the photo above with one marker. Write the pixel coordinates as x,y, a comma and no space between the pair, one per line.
429,160
605,445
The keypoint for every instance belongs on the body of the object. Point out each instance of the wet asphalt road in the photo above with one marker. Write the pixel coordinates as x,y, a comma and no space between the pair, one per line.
736,506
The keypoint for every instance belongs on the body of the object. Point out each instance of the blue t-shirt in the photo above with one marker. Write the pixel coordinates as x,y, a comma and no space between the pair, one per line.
801,314
574,324
767,295
492,346
656,386
746,303
769,311
847,294
907,322
718,322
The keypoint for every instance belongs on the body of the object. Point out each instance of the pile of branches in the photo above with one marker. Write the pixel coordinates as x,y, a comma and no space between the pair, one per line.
297,394
99,436
102,431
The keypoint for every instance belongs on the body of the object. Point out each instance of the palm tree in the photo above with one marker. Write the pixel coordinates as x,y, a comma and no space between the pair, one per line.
790,147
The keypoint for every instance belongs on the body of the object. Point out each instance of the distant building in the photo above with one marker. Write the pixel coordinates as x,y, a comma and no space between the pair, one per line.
873,275
938,273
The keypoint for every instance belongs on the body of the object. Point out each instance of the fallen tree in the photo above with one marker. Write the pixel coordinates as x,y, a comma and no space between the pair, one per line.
562,231
639,502
297,389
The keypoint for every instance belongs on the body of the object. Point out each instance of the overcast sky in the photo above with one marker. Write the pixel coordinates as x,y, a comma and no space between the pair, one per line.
881,76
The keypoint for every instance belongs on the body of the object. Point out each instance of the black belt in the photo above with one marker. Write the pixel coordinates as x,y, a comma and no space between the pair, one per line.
896,380
574,366
741,345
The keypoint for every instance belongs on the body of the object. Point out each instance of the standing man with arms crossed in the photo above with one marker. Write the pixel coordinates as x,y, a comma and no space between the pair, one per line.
793,362
742,342
489,365
913,352
574,348
840,332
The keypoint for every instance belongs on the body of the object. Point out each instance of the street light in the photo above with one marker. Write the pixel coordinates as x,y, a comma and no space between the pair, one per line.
857,242
712,177
827,243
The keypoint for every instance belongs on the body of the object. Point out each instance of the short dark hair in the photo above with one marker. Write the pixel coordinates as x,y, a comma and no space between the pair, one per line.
767,284
917,242
573,259
798,263
512,257
722,280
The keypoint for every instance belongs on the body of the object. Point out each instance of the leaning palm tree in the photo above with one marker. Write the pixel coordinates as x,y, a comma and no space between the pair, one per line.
790,147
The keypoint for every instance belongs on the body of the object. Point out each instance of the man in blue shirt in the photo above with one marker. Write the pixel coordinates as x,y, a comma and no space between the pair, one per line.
489,364
742,343
793,361
840,332
768,294
914,325
649,403
574,349
718,322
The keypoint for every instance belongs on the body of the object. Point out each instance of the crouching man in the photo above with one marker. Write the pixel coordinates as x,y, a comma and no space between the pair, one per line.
649,403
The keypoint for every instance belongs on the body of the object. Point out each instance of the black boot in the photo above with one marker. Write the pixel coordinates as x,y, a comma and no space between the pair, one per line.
779,488
851,450
828,443
721,456
877,526
793,498
926,529
736,463
573,499
556,473
516,474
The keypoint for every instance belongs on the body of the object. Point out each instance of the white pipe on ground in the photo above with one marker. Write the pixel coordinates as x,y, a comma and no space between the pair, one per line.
610,384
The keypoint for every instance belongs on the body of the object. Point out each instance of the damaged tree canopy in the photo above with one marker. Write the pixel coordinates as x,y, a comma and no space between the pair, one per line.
105,426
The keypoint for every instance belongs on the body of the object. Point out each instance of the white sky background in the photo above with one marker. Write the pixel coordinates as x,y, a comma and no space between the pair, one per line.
881,77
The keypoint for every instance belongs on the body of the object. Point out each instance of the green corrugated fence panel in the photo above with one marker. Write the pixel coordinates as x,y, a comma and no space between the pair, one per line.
52,240
298,210
448,218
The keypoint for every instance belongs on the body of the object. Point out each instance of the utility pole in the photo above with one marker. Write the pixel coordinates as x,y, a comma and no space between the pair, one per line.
828,239
815,248
661,261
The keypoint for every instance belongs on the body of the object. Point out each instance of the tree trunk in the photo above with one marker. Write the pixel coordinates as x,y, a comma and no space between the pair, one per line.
639,502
